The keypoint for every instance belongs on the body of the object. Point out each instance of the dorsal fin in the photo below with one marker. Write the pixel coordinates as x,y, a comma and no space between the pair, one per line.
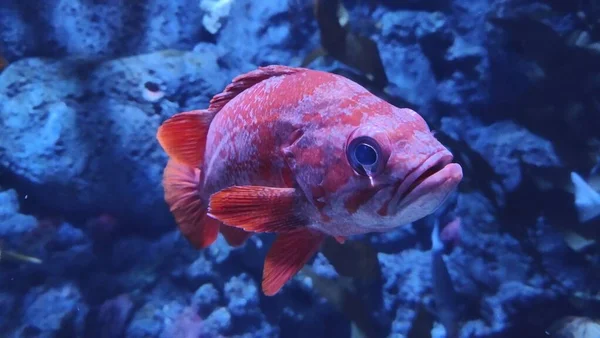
183,135
247,80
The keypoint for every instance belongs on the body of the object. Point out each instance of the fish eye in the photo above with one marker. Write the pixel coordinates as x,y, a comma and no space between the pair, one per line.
364,154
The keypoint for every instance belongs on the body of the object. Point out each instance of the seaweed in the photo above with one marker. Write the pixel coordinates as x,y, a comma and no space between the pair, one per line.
339,42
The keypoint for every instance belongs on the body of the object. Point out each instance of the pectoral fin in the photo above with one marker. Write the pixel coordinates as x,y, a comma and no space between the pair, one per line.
256,208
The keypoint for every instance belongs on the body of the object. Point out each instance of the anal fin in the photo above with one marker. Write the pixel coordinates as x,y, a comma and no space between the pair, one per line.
180,183
340,239
289,253
234,236
256,208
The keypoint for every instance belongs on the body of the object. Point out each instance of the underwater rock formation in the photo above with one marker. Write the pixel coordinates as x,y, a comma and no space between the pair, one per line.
86,131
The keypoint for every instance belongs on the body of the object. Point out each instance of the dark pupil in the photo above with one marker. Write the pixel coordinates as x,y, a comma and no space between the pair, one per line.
365,154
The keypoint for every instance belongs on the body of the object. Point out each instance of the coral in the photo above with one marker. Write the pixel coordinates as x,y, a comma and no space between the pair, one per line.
219,321
217,11
242,296
12,222
206,298
187,324
54,311
113,316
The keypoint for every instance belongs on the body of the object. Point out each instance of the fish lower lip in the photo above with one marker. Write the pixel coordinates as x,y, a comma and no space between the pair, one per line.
432,165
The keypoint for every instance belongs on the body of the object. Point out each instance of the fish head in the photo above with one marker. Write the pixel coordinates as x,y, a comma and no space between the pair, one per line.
401,171
385,171
417,173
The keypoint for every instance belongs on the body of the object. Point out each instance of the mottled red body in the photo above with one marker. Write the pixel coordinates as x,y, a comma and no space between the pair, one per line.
305,154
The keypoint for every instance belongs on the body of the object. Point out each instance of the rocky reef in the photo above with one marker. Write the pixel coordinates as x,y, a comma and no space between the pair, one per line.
88,83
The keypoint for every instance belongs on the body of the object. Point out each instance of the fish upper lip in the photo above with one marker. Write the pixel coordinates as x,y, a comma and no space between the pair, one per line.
433,164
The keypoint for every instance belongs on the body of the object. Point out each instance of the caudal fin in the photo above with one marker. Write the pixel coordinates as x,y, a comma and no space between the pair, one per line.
181,194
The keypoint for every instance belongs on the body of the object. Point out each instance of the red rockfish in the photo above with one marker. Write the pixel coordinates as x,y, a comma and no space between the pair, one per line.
304,154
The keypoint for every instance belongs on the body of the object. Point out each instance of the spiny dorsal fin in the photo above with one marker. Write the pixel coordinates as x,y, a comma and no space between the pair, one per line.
183,135
247,80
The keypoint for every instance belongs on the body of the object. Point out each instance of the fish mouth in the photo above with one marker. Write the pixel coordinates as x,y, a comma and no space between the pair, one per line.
436,171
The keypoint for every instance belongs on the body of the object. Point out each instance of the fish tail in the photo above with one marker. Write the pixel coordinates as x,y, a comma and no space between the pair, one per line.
182,194
183,137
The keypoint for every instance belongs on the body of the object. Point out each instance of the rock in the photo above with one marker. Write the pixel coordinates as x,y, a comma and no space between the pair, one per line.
206,298
265,330
219,252
187,324
67,253
418,5
467,59
200,271
406,277
435,37
323,268
8,302
150,319
216,13
12,223
402,238
256,33
241,294
510,281
219,321
505,145
92,30
85,132
112,317
54,312
410,52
